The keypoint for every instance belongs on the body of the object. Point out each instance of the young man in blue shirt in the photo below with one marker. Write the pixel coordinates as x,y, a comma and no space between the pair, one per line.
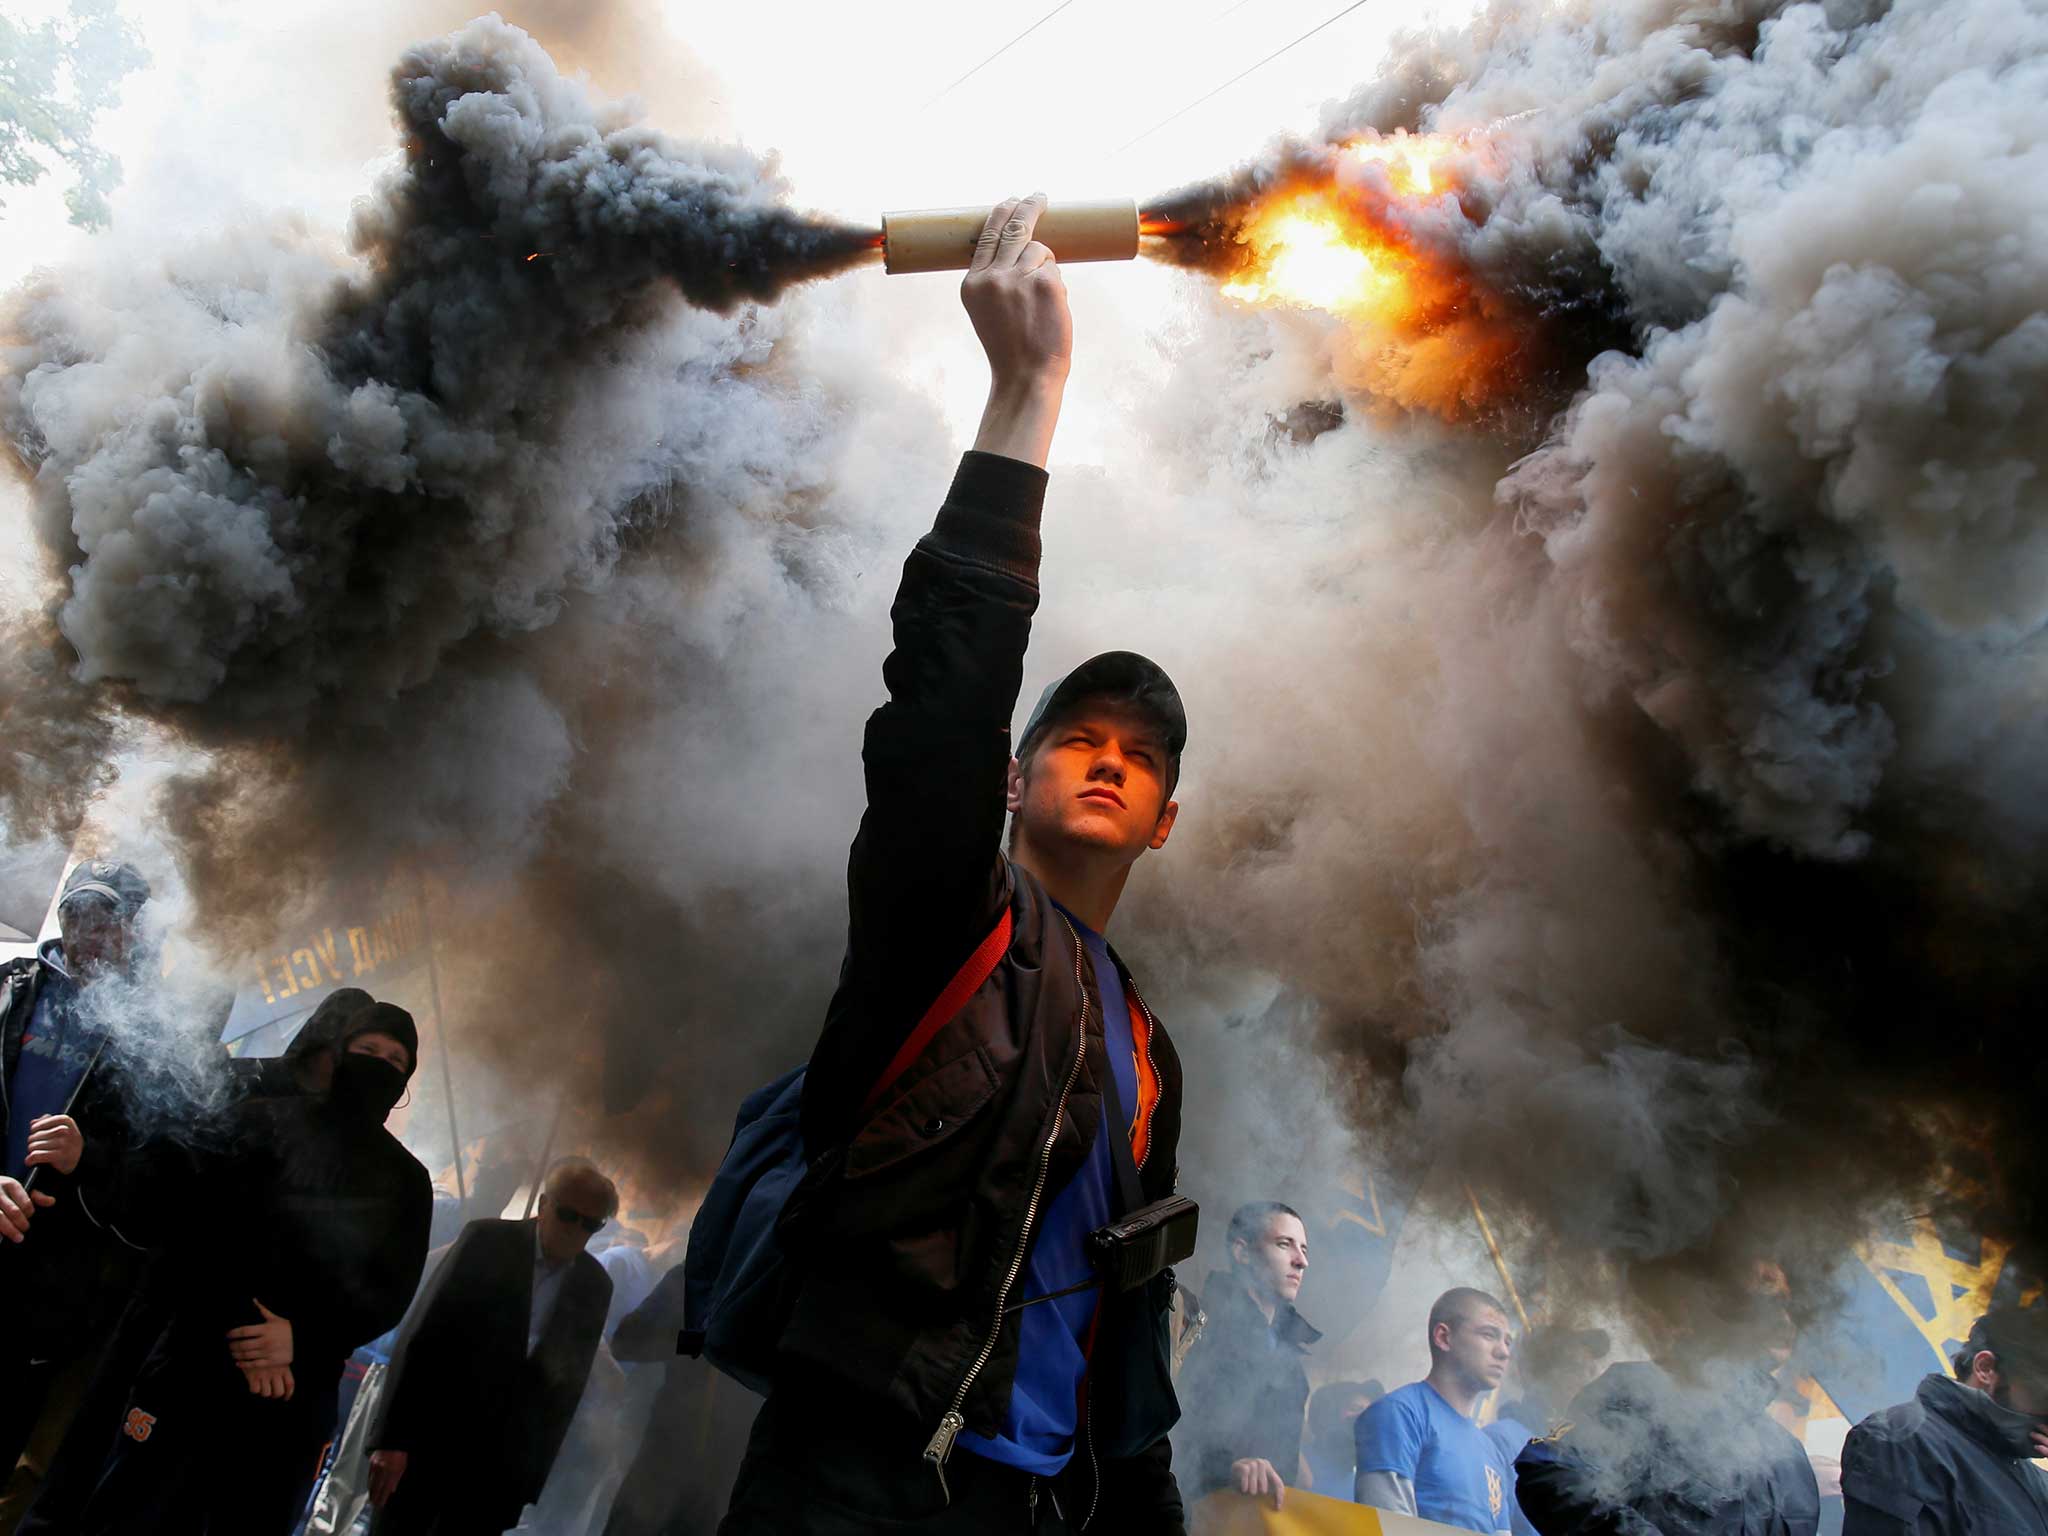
1419,1450
950,1358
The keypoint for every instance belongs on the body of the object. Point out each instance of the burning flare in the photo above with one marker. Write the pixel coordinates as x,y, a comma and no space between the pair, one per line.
1303,254
1368,233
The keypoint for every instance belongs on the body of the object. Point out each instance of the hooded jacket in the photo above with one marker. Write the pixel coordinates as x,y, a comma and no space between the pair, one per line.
1643,1454
1244,1386
319,1213
1949,1463
913,1251
73,1272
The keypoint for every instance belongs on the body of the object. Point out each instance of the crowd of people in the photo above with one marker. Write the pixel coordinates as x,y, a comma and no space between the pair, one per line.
972,1325
186,1300
1683,1444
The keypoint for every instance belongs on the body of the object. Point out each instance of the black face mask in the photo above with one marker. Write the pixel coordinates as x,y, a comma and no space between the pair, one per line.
365,1085
2014,1429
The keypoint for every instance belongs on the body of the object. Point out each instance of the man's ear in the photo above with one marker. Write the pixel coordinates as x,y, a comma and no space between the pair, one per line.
1163,828
1014,787
1984,1370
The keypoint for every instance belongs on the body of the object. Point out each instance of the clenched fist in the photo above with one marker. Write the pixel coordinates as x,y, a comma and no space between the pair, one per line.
1015,297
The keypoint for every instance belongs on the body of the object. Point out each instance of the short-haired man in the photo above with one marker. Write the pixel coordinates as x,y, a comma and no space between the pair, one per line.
490,1365
1959,1457
292,1239
63,1140
1420,1450
949,1358
1244,1387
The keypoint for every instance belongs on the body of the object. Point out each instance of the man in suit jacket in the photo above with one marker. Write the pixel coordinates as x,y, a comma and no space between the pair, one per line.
490,1365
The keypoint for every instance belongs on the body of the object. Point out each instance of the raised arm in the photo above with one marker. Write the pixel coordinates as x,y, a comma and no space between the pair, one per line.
926,879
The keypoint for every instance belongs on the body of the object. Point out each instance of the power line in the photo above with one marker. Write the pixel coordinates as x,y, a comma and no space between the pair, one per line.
1254,69
984,64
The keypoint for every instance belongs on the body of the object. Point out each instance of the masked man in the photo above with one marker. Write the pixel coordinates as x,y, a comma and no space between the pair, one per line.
1959,1457
298,1240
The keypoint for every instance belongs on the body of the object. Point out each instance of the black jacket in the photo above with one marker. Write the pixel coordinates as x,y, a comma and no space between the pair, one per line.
1949,1463
73,1273
320,1215
462,1390
1645,1455
1244,1388
913,1255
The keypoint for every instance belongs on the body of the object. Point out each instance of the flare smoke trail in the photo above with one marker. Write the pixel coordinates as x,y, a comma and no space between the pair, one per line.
1735,693
330,519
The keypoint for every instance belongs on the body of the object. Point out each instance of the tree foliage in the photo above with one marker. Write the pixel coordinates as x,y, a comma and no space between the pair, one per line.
55,80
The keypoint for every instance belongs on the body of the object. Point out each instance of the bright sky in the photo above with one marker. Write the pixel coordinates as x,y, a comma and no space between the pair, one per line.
274,104
253,108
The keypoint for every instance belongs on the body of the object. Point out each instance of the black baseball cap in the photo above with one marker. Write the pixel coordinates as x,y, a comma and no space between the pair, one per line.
1119,675
119,885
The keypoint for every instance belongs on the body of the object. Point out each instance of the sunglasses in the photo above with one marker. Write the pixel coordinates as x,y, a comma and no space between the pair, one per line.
590,1224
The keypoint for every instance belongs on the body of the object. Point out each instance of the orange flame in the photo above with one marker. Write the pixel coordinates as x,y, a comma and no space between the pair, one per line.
1419,331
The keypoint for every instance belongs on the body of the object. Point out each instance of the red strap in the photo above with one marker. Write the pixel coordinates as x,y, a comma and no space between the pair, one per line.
965,983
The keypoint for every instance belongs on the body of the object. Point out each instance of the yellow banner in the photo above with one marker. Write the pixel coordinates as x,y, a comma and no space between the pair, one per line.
1305,1514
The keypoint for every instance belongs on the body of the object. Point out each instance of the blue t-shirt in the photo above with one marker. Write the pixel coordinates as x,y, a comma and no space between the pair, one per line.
56,1049
1509,1435
1459,1476
1045,1403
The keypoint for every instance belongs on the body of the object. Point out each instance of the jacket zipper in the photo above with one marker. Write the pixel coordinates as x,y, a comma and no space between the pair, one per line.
940,1446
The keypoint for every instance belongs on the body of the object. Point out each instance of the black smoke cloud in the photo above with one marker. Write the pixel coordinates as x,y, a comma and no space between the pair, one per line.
1726,941
341,523
280,535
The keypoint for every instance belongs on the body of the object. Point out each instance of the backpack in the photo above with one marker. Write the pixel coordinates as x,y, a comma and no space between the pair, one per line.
738,1275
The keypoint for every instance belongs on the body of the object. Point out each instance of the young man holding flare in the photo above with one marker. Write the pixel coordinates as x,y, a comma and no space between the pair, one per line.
950,1358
